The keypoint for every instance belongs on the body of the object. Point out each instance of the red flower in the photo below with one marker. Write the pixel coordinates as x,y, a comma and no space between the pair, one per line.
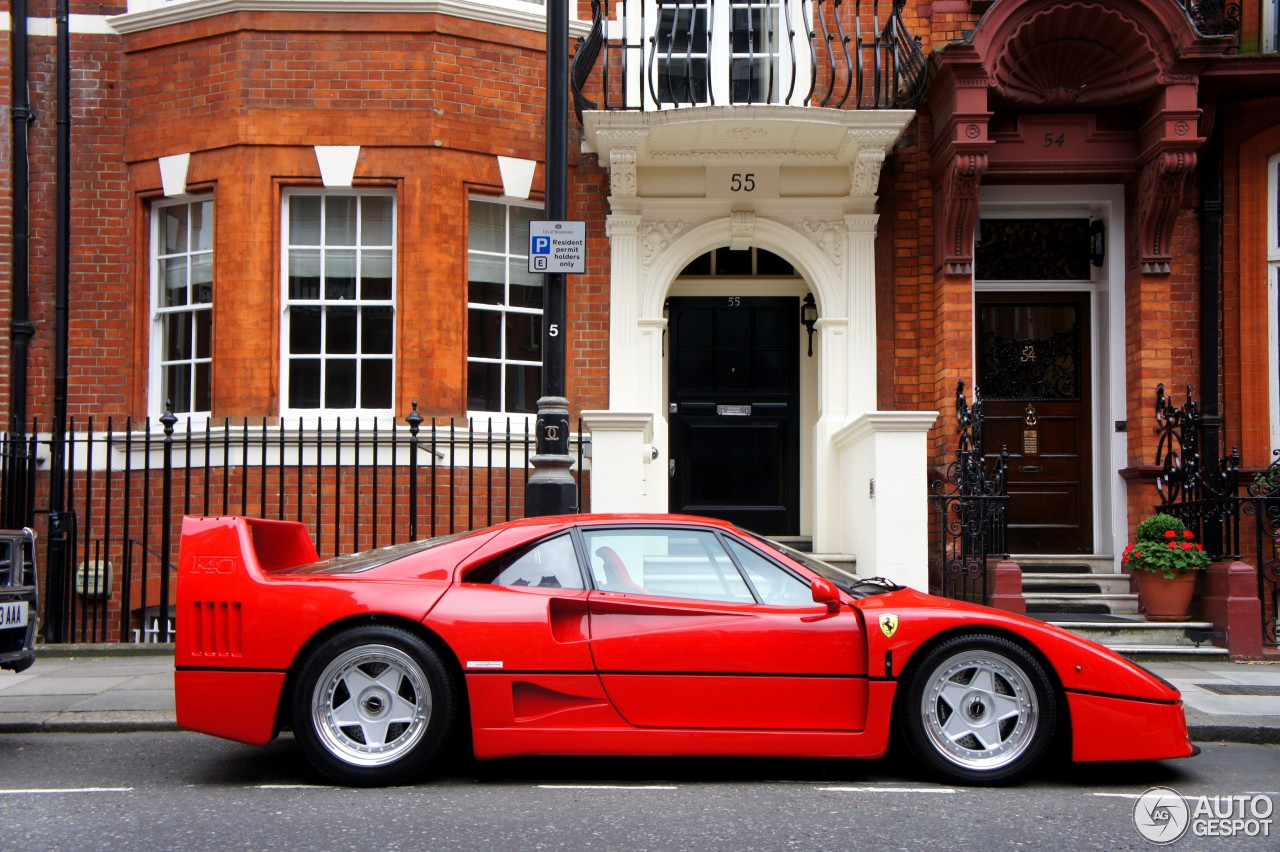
1186,545
1188,534
1173,545
1199,547
1170,534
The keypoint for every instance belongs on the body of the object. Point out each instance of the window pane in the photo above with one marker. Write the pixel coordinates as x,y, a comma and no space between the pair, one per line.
375,383
177,337
486,227
304,220
485,293
375,221
340,383
375,275
526,286
304,330
173,272
340,331
519,241
177,381
524,386
304,274
204,333
377,330
484,386
524,337
304,383
486,268
202,279
340,220
202,226
340,275
683,30
682,81
203,395
483,337
173,229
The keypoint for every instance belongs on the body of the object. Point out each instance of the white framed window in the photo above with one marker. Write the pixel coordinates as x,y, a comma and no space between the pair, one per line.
181,372
338,332
1271,26
725,52
504,308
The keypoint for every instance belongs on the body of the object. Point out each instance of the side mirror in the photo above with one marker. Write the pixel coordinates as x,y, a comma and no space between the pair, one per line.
825,592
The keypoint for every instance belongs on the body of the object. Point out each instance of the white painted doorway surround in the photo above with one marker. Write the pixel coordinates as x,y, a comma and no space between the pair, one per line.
801,183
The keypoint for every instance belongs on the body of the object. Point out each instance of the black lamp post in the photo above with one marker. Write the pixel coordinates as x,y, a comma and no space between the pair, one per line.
551,489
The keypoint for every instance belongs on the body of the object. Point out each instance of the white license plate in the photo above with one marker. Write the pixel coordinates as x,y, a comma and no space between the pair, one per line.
13,614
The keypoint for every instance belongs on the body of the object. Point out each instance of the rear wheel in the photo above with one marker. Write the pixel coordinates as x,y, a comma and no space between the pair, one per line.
979,710
373,705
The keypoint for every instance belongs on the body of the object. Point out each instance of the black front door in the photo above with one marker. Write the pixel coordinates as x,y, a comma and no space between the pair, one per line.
734,415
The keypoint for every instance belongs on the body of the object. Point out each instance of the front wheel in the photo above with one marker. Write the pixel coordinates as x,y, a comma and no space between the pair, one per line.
373,706
978,710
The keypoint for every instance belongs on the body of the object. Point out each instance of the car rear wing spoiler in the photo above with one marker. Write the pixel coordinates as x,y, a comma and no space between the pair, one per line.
226,545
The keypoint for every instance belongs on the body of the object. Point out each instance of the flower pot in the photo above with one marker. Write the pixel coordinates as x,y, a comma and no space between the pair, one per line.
1166,600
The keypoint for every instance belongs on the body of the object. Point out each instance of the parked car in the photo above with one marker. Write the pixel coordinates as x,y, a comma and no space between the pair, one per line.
19,596
628,635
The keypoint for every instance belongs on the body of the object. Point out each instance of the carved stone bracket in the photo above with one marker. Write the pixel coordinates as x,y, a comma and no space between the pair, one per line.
622,172
956,198
864,174
1160,193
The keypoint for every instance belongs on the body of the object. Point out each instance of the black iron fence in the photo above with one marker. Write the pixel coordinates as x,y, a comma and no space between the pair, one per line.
827,53
356,485
970,504
1234,514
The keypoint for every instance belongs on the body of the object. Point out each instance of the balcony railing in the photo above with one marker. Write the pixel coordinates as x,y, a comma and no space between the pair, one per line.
667,54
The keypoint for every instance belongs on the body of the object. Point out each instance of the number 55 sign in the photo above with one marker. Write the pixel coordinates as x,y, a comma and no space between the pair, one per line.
558,247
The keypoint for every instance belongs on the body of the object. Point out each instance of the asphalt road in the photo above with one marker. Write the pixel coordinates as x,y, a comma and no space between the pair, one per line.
181,791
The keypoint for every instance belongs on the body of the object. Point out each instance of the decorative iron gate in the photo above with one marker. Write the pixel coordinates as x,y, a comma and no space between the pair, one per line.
1206,494
970,503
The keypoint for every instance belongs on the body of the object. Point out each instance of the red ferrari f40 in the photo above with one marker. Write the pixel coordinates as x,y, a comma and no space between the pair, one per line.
628,635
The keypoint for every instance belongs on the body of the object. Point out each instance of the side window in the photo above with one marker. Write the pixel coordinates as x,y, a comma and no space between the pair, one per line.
774,585
675,563
550,564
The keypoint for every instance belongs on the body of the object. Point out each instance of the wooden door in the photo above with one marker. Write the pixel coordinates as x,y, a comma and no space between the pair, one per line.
1033,374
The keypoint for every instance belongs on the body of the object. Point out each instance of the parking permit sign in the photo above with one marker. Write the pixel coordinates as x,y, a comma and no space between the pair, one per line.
558,247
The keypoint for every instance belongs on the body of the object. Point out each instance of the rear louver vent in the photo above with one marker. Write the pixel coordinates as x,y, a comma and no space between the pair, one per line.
217,629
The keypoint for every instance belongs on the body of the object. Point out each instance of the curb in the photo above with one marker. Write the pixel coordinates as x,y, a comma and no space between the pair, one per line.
1234,734
105,649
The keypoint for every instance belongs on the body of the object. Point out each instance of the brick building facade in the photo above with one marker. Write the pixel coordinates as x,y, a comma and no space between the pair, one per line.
305,209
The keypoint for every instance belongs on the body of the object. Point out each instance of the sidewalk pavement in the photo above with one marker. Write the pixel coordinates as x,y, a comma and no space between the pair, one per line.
114,688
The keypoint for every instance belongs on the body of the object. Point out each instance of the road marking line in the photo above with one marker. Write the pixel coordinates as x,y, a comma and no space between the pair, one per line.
607,787
36,791
933,790
291,787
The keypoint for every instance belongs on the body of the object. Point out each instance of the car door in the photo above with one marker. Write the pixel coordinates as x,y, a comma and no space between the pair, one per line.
691,628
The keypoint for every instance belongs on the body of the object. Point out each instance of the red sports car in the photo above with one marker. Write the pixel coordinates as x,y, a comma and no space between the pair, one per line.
628,635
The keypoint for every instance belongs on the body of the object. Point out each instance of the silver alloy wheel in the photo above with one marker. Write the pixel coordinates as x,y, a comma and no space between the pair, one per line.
980,710
371,705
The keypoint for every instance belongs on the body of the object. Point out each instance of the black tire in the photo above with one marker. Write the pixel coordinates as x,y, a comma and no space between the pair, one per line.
20,665
372,706
978,710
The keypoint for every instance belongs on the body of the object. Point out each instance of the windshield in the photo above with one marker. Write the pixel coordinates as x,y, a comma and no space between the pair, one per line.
847,581
354,563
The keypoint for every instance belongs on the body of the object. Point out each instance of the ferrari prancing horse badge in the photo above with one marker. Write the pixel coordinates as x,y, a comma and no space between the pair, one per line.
889,624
